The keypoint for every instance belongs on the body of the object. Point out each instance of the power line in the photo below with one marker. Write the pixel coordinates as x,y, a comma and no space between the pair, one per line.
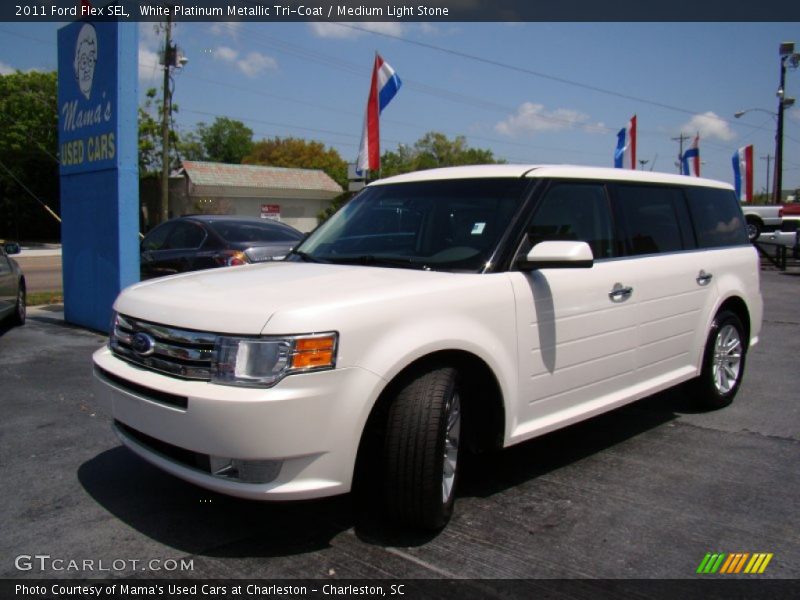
518,69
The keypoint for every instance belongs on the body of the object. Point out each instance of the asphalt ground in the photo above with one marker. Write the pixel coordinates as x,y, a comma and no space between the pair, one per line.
642,492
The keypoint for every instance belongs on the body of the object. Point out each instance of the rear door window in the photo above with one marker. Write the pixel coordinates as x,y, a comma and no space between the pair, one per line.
157,238
186,236
652,217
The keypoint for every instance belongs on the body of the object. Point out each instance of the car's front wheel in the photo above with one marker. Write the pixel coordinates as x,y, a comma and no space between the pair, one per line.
21,309
421,449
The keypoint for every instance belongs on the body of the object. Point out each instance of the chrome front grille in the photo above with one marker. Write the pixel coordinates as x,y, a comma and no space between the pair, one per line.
178,352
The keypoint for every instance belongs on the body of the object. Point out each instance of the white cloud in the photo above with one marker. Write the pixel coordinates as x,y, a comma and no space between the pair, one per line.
532,118
255,62
225,53
344,31
149,69
709,125
6,69
149,46
251,65
226,28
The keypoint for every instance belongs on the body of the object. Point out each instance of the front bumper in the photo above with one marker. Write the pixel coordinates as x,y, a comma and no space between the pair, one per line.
310,423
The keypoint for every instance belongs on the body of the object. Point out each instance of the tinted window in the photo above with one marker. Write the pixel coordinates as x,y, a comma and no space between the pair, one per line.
186,235
254,231
651,220
157,239
575,212
717,217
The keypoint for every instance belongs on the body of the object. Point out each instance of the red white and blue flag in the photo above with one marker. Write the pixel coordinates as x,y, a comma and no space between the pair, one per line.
690,163
625,154
383,88
743,173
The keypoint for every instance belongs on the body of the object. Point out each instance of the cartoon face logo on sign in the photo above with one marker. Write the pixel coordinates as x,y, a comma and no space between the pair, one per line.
85,58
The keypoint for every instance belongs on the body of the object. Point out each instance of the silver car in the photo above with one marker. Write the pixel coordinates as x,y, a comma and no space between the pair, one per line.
12,285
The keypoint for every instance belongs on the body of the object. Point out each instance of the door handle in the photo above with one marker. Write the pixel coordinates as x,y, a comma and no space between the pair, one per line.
703,278
620,292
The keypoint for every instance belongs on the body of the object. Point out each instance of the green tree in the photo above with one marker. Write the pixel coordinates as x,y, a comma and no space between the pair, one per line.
190,147
301,154
150,142
225,140
28,155
434,150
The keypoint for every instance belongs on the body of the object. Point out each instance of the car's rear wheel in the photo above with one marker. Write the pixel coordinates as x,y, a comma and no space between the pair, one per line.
21,309
753,229
723,362
421,449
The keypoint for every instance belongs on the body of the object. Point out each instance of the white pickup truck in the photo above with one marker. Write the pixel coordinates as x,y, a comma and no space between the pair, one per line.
762,218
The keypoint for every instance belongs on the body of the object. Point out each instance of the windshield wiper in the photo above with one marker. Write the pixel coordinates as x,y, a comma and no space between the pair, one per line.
378,261
306,256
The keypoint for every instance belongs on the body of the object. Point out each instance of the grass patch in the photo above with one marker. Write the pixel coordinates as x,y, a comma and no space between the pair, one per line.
39,298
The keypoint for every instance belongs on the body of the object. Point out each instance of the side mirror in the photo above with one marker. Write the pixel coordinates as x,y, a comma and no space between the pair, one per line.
12,248
557,255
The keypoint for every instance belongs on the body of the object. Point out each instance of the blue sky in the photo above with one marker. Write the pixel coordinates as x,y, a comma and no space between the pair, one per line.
569,89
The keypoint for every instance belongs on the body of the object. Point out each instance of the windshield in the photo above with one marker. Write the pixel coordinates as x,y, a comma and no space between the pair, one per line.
437,225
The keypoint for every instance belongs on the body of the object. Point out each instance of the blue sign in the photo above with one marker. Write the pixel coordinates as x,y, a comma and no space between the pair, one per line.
87,97
98,146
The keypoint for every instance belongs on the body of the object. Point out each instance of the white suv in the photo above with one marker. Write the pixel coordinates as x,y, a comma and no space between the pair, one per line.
446,310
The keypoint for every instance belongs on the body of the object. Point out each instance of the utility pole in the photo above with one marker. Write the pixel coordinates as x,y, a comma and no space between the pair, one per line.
166,106
788,55
680,139
779,136
643,162
767,158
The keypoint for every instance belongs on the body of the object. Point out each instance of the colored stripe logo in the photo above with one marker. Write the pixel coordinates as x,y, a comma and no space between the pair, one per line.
734,563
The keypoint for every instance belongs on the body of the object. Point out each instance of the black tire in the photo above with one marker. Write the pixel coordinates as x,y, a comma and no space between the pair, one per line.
754,227
723,362
421,447
20,309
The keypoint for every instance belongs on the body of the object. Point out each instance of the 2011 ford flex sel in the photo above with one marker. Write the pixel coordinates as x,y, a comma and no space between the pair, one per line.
441,311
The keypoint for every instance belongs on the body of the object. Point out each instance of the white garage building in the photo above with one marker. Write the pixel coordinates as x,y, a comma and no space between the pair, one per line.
294,196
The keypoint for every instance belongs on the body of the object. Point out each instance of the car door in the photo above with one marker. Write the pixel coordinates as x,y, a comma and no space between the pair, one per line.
576,327
674,281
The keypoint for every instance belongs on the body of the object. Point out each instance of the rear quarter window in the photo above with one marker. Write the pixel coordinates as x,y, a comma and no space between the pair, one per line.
717,217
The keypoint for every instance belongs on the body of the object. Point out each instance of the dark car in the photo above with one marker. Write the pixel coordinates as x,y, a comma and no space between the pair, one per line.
206,241
12,285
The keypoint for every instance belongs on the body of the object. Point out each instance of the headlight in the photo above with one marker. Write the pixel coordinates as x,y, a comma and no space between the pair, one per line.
262,362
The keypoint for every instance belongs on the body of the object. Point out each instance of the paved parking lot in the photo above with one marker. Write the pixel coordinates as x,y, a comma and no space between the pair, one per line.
643,492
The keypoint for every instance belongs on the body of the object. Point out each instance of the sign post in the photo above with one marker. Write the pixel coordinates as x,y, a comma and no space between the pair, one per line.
98,146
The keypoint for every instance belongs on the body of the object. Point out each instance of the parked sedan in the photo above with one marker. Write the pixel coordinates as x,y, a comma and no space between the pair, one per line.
12,285
199,242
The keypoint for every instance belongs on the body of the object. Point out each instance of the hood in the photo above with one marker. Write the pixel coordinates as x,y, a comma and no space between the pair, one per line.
241,300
